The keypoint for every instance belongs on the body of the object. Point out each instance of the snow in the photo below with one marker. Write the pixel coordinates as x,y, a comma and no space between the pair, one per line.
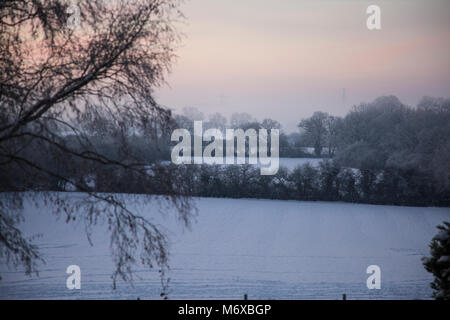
292,163
311,150
442,236
289,163
268,249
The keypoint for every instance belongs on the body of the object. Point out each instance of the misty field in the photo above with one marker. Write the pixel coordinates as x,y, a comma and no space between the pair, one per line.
267,249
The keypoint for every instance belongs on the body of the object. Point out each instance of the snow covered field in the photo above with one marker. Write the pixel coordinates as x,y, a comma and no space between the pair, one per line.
292,163
268,249
289,163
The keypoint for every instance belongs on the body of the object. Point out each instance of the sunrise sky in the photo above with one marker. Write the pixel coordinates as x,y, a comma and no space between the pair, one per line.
285,59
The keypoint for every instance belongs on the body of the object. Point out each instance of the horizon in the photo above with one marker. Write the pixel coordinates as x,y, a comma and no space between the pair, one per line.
286,61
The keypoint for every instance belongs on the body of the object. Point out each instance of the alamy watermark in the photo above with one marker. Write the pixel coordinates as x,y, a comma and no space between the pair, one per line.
74,280
234,142
374,280
374,19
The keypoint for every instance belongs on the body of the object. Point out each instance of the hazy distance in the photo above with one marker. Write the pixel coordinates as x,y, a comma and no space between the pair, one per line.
287,59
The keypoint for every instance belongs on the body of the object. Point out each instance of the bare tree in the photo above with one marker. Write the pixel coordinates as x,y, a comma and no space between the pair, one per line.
238,120
333,126
53,76
316,130
217,121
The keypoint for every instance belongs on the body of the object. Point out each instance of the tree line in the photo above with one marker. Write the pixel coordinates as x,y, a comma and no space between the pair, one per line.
383,152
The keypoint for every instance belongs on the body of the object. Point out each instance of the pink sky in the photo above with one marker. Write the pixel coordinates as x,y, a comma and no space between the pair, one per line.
285,59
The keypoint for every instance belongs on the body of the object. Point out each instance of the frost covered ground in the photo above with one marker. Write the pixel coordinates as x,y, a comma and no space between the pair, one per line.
268,249
292,163
289,163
